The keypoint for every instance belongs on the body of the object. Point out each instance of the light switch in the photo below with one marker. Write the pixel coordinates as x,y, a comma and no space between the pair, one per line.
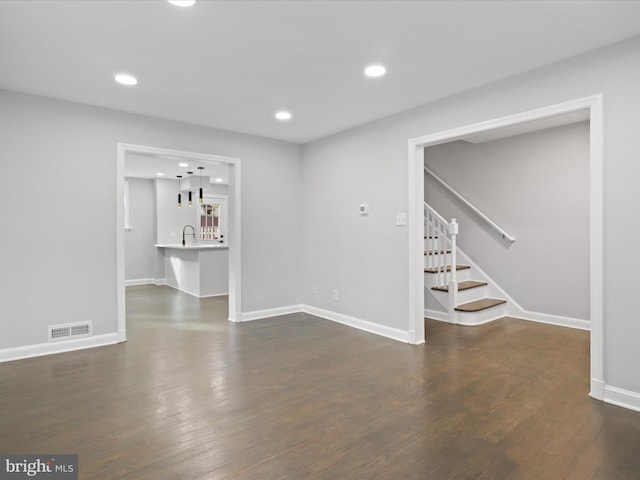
364,209
401,218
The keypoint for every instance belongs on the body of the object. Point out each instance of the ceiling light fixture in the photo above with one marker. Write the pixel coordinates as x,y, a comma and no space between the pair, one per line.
282,115
179,194
190,201
126,79
200,192
218,180
375,71
159,174
183,164
182,3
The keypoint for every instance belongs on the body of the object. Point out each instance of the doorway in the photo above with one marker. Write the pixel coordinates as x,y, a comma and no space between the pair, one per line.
233,225
593,105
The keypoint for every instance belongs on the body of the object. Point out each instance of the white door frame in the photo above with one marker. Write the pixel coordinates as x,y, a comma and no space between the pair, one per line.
596,219
234,227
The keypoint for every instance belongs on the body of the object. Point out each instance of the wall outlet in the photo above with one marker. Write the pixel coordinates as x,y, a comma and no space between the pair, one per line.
401,218
336,296
364,209
314,289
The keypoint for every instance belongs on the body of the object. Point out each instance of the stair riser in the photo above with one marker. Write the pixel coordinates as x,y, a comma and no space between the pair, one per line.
483,316
461,275
464,296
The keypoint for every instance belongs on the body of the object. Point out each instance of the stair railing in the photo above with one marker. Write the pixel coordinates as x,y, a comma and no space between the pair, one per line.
472,207
440,253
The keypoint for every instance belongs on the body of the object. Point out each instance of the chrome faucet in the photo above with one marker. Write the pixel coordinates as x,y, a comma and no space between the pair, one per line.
192,234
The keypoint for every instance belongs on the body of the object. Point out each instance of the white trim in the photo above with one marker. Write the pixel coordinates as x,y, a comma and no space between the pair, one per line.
596,238
234,225
140,281
365,325
268,313
597,389
596,218
127,207
622,398
436,315
121,308
415,220
557,320
40,349
376,328
546,318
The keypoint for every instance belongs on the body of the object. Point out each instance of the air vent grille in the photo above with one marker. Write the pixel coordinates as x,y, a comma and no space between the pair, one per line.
68,331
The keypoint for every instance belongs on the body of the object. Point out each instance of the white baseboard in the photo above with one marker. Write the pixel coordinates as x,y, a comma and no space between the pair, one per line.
557,320
622,398
549,319
389,332
40,349
436,315
138,281
144,281
122,336
597,389
267,313
214,295
367,326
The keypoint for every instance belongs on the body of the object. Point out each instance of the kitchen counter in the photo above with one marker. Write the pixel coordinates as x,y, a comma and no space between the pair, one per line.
191,246
199,269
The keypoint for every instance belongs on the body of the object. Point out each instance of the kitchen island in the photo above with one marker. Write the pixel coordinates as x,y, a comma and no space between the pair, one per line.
199,269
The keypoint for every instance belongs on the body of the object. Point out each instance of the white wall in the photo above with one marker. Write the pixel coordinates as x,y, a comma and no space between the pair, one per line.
367,257
65,272
536,187
140,254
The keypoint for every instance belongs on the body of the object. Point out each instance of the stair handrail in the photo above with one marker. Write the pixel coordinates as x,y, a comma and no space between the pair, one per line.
471,206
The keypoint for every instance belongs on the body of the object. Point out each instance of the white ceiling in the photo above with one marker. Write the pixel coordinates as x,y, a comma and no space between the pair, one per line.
141,165
232,64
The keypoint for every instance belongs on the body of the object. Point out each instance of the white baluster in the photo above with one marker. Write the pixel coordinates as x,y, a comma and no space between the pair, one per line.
453,282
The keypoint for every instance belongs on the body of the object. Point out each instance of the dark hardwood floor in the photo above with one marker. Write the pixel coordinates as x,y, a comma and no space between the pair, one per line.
192,396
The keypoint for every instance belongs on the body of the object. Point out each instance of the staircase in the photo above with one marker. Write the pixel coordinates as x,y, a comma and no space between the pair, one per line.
466,293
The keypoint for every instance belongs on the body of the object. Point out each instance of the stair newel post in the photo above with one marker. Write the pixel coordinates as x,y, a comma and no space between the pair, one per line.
453,282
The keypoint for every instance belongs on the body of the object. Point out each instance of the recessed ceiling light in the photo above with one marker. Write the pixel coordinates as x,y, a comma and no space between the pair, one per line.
159,174
183,164
126,79
219,180
375,71
282,115
182,3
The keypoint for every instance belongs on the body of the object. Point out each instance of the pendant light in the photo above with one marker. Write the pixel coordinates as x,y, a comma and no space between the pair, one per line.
179,194
201,200
190,203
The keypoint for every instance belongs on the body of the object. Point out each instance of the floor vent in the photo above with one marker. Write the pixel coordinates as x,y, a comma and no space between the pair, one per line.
69,330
